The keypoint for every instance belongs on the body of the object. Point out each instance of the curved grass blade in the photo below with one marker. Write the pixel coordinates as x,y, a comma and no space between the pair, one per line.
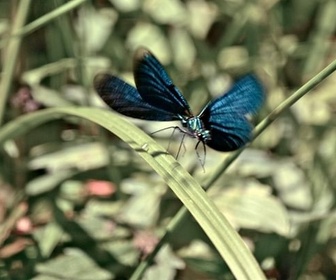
228,243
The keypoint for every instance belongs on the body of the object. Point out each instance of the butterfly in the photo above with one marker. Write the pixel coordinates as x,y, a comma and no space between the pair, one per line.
222,124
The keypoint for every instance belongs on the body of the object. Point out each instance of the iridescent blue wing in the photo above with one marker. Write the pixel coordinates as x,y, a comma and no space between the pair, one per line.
155,86
126,100
226,116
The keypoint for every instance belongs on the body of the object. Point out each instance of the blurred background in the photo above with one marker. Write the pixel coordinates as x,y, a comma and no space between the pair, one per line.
77,203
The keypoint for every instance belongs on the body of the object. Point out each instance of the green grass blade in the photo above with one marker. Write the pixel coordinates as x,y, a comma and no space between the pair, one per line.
11,57
224,237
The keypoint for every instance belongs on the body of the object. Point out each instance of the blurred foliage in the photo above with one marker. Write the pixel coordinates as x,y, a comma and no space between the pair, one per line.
76,203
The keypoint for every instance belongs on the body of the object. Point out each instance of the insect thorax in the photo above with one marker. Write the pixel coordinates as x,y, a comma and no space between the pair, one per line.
195,128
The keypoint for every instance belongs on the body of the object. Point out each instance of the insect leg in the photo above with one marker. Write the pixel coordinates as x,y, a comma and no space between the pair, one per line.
202,162
182,143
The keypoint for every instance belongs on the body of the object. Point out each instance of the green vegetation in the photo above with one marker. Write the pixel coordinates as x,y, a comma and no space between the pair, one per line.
86,194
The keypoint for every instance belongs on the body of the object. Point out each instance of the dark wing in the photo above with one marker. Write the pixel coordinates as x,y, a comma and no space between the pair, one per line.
155,86
226,116
126,100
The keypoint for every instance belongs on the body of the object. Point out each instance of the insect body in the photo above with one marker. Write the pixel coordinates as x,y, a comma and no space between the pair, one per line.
221,125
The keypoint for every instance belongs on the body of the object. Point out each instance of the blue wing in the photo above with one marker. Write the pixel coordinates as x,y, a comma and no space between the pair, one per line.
126,100
226,116
155,86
